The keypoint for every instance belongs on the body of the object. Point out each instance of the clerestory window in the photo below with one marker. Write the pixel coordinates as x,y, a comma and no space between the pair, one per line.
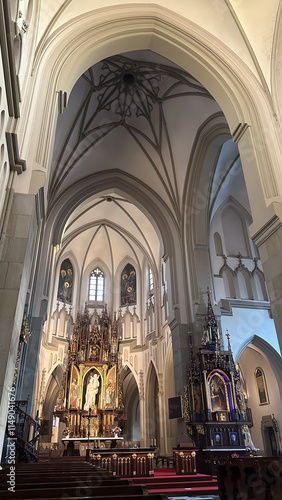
96,285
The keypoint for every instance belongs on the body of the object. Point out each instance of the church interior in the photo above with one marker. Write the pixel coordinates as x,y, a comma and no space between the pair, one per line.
141,226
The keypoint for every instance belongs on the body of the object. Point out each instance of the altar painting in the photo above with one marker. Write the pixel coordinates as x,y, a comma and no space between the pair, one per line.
218,393
110,389
74,395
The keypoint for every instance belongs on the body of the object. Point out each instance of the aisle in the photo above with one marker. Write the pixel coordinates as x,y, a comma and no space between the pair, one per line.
166,481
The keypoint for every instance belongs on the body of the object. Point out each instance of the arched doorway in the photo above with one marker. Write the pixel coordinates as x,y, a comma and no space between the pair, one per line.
50,428
152,408
131,426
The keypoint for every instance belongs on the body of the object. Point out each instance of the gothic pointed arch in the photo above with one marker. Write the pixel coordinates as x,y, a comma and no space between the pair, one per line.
218,243
130,393
228,276
259,283
235,231
243,276
49,397
152,405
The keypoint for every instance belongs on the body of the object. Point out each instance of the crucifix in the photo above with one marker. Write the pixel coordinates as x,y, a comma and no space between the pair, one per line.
89,417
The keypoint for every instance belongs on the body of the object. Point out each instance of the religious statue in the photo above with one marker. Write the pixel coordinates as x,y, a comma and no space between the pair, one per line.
197,399
91,392
74,345
240,398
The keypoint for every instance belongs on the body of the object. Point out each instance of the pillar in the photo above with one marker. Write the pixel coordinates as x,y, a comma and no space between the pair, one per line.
16,257
179,334
143,433
162,416
29,370
269,242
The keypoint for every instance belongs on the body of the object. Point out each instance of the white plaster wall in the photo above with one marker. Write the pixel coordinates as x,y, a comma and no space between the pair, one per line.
250,359
244,324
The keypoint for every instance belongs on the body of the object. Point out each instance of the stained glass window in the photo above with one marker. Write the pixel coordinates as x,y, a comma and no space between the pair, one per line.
65,282
96,285
128,285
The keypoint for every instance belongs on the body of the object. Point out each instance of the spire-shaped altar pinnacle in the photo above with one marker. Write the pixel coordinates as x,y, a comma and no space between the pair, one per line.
210,332
210,320
228,339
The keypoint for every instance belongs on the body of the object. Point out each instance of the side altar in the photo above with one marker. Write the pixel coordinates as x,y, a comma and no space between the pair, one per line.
124,462
90,398
214,405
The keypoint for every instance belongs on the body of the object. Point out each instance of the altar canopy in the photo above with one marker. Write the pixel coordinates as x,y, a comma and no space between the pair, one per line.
91,389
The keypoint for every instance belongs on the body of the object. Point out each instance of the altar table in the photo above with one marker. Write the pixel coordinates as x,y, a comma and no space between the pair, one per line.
77,446
124,462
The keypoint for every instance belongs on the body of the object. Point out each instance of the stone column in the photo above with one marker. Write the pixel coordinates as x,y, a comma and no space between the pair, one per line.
269,242
179,334
143,434
16,257
29,373
162,416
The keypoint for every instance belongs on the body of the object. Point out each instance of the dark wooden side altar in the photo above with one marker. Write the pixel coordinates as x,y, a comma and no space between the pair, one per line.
124,462
214,405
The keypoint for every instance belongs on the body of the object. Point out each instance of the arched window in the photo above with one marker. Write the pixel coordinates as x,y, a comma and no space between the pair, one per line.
261,386
151,282
235,236
218,244
260,287
65,282
244,284
228,281
128,285
96,285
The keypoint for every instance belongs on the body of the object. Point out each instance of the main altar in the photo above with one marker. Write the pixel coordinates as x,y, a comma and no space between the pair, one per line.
90,397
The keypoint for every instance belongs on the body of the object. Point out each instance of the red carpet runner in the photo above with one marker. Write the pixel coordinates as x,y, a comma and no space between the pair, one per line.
166,481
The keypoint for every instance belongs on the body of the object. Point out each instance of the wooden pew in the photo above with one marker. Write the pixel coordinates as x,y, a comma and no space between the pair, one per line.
158,496
74,483
82,491
257,478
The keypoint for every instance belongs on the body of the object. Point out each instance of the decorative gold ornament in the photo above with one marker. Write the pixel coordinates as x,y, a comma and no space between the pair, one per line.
200,429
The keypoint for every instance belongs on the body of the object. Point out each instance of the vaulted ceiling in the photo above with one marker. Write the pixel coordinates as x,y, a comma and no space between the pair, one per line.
140,115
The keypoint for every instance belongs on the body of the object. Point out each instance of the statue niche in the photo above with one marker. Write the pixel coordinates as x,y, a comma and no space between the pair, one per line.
91,391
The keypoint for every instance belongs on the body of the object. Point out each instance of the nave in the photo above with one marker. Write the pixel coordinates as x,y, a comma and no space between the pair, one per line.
71,477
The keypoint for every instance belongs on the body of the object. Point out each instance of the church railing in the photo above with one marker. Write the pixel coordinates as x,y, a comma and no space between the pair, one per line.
26,434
